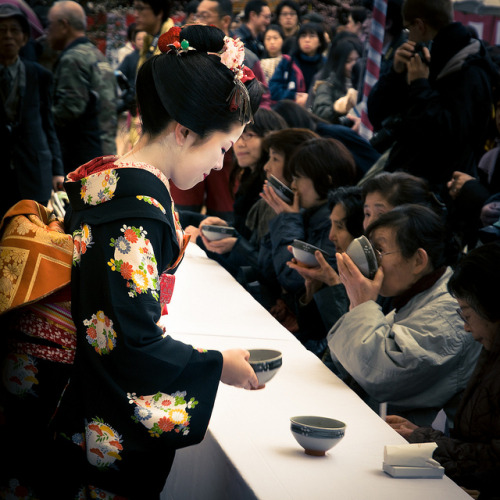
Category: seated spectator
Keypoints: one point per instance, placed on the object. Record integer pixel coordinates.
(297, 116)
(388, 190)
(288, 18)
(247, 175)
(242, 255)
(417, 358)
(273, 43)
(325, 299)
(308, 54)
(334, 82)
(318, 166)
(471, 454)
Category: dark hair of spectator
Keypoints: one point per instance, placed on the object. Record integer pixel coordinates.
(351, 198)
(287, 3)
(286, 141)
(327, 162)
(436, 13)
(417, 226)
(253, 6)
(312, 28)
(400, 188)
(475, 278)
(157, 6)
(337, 59)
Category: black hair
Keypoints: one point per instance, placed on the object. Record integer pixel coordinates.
(327, 162)
(275, 27)
(157, 6)
(131, 32)
(295, 114)
(359, 13)
(400, 188)
(351, 198)
(287, 3)
(475, 278)
(192, 87)
(338, 55)
(436, 13)
(254, 6)
(265, 120)
(224, 8)
(417, 226)
(312, 28)
(286, 141)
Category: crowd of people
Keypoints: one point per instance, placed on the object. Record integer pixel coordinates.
(269, 95)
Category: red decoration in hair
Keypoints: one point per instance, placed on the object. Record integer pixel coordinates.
(247, 74)
(171, 37)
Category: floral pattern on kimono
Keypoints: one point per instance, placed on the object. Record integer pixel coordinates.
(135, 260)
(82, 240)
(103, 444)
(100, 333)
(20, 374)
(161, 412)
(100, 187)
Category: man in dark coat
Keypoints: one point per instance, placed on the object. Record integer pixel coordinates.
(442, 96)
(31, 158)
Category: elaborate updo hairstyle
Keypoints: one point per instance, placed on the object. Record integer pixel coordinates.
(475, 278)
(351, 198)
(286, 141)
(400, 188)
(192, 87)
(417, 226)
(327, 162)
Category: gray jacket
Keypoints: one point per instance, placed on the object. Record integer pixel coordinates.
(418, 357)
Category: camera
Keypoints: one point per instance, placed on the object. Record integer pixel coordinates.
(383, 139)
(346, 121)
(419, 49)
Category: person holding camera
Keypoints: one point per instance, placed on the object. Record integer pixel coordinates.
(31, 156)
(436, 101)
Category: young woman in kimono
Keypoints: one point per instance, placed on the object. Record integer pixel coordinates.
(135, 394)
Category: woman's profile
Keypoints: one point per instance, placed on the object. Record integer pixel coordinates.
(135, 395)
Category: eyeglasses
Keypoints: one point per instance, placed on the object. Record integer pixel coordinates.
(288, 14)
(462, 317)
(204, 16)
(380, 254)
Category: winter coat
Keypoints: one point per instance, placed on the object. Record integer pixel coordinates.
(472, 453)
(415, 358)
(445, 117)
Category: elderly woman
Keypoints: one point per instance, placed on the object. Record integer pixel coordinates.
(417, 357)
(471, 455)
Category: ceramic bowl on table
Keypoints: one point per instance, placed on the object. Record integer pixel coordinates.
(283, 191)
(315, 434)
(265, 363)
(304, 253)
(213, 233)
(363, 255)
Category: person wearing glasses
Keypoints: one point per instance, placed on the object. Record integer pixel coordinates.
(471, 453)
(256, 19)
(417, 358)
(288, 17)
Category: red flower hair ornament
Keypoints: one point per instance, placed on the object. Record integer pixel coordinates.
(231, 55)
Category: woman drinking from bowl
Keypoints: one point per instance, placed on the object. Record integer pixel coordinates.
(417, 358)
(325, 299)
(318, 166)
(471, 454)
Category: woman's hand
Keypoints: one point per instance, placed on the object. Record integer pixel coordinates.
(237, 371)
(225, 245)
(358, 288)
(323, 273)
(276, 203)
(401, 425)
(458, 179)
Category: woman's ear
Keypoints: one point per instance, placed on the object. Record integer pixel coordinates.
(181, 134)
(421, 261)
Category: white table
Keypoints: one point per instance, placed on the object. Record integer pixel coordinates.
(249, 451)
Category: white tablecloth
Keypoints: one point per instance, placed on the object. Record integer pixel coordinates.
(249, 451)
